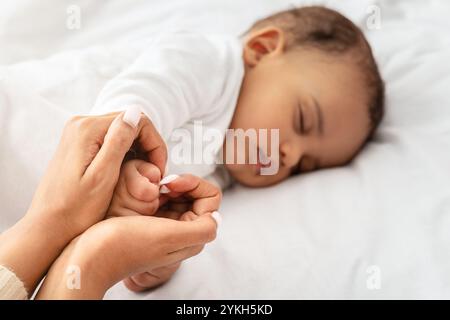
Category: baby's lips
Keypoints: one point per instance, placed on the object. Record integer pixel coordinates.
(166, 180)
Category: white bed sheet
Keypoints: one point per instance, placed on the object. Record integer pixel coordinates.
(315, 236)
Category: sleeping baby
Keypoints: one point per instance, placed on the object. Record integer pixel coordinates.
(300, 91)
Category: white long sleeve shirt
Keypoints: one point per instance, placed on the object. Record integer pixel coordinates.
(179, 79)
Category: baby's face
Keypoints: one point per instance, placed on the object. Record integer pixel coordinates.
(319, 105)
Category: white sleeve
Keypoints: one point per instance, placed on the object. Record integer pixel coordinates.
(177, 78)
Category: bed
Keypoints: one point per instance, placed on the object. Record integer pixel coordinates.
(375, 229)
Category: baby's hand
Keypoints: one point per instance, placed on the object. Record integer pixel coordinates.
(137, 191)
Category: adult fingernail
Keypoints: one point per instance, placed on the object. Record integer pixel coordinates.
(168, 179)
(216, 216)
(164, 190)
(132, 115)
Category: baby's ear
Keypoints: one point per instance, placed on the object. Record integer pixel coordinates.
(263, 42)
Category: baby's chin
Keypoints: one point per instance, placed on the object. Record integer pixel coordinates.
(247, 175)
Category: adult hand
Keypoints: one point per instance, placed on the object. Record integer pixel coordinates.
(120, 246)
(78, 185)
(187, 197)
(76, 189)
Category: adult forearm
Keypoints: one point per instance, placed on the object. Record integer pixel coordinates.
(30, 247)
(79, 272)
(72, 277)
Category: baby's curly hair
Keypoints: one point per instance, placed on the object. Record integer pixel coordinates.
(329, 31)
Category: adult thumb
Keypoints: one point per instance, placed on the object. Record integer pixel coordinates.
(118, 140)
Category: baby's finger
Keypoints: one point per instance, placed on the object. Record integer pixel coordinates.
(169, 214)
(137, 185)
(133, 207)
(148, 170)
(142, 281)
(188, 216)
(147, 280)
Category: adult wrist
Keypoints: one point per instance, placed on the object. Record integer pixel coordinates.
(78, 273)
(29, 248)
(53, 228)
(93, 254)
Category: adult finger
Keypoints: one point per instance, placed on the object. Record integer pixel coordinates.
(117, 141)
(185, 253)
(150, 142)
(196, 232)
(206, 196)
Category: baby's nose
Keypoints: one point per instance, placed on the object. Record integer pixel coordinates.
(288, 157)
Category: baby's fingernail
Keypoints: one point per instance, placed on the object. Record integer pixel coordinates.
(168, 179)
(132, 115)
(216, 216)
(164, 190)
